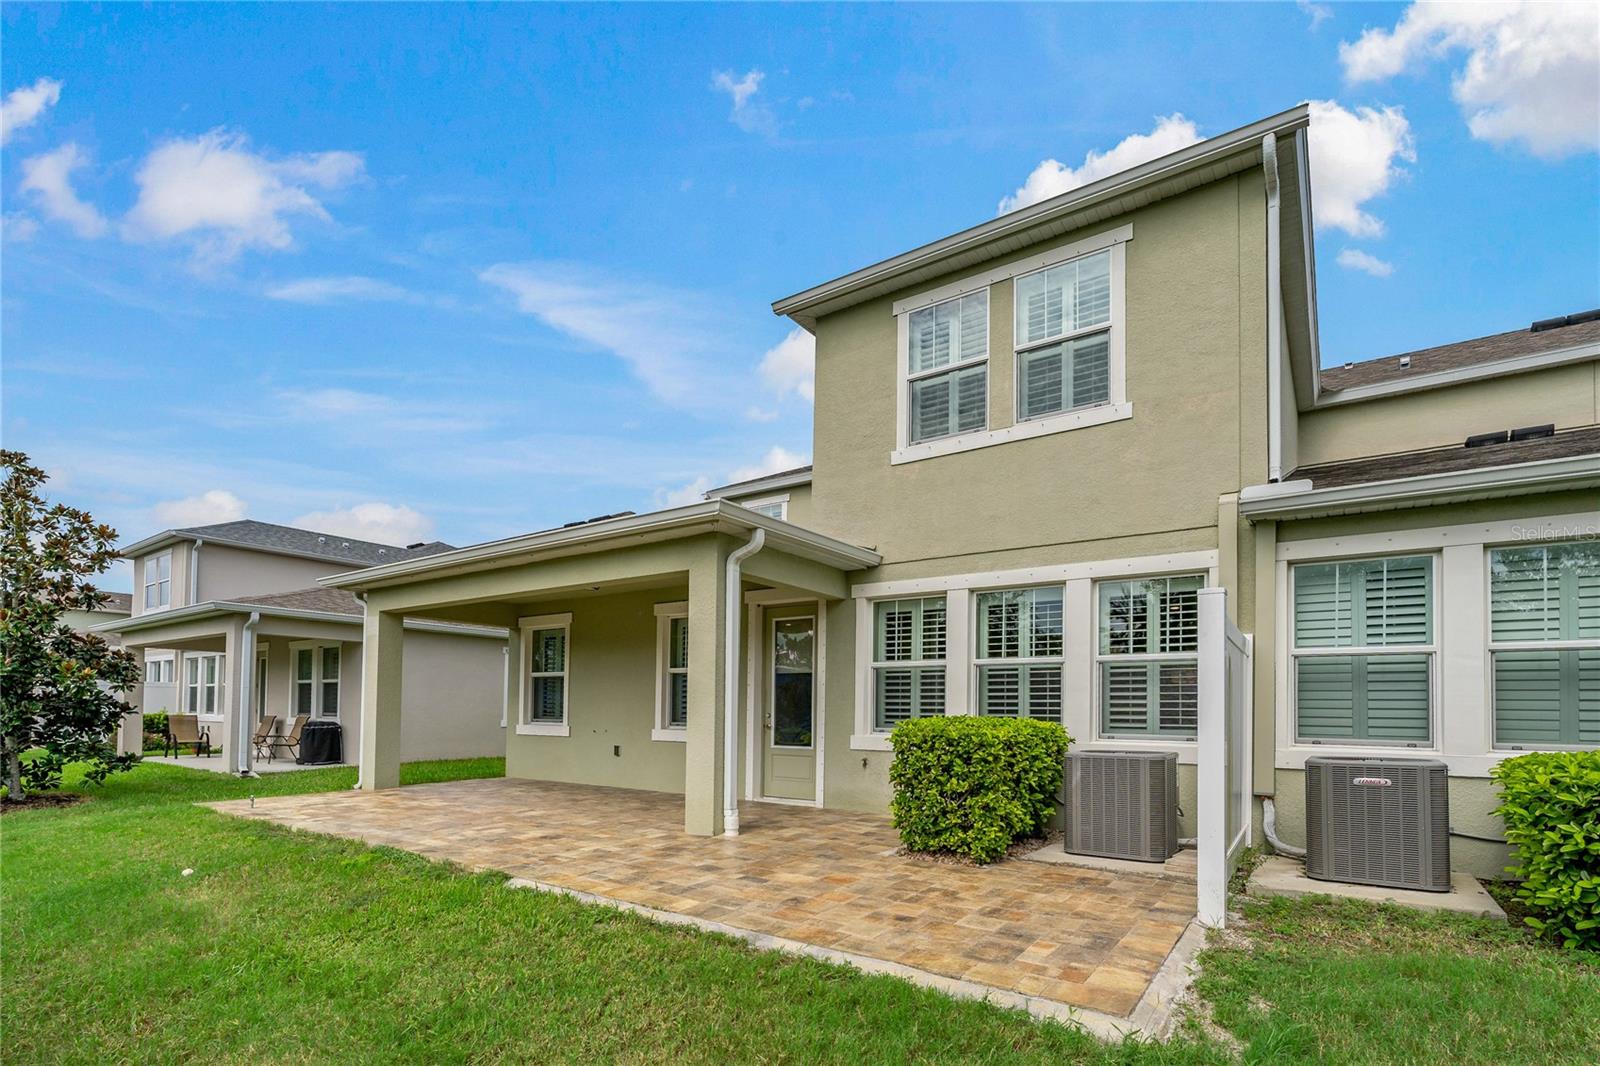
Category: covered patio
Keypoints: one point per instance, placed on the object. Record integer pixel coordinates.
(1091, 945)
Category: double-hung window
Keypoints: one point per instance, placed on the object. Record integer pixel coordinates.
(672, 666)
(158, 671)
(1544, 634)
(158, 581)
(1019, 655)
(545, 708)
(1063, 337)
(1363, 650)
(1147, 656)
(315, 690)
(947, 367)
(203, 684)
(908, 651)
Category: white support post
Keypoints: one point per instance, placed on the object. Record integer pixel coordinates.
(1212, 757)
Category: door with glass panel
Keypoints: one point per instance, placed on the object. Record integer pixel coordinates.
(788, 735)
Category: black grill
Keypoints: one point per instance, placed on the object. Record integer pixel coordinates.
(321, 742)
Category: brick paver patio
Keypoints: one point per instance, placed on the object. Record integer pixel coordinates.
(1087, 938)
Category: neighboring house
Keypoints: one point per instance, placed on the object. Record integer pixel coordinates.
(117, 605)
(232, 625)
(1035, 440)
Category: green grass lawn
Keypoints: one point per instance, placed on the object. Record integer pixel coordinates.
(288, 947)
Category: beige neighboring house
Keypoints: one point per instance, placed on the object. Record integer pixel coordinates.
(117, 605)
(232, 624)
(1036, 442)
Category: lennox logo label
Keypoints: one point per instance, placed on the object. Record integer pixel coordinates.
(1377, 782)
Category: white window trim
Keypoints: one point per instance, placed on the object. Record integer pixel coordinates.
(1116, 410)
(1078, 641)
(171, 668)
(1096, 693)
(1116, 368)
(316, 682)
(974, 674)
(220, 684)
(868, 724)
(905, 377)
(659, 729)
(146, 584)
(781, 499)
(525, 626)
(1464, 739)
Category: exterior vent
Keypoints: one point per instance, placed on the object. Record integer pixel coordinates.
(1378, 821)
(1121, 804)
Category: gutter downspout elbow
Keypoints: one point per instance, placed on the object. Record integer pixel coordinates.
(730, 683)
(1269, 827)
(247, 667)
(1269, 165)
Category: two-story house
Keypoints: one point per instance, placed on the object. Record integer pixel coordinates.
(1035, 441)
(233, 626)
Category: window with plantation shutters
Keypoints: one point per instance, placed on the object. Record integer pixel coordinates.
(947, 358)
(1063, 337)
(908, 660)
(672, 669)
(547, 674)
(1147, 656)
(1019, 652)
(1363, 651)
(1544, 634)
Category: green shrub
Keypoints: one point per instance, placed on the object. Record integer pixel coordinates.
(1551, 805)
(971, 785)
(156, 723)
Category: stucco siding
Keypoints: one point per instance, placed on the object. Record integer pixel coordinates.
(229, 572)
(1568, 396)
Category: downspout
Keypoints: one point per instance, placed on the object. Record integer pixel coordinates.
(362, 596)
(1269, 164)
(730, 684)
(1269, 826)
(194, 570)
(243, 730)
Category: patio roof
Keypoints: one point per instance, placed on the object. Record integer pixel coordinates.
(697, 519)
(317, 604)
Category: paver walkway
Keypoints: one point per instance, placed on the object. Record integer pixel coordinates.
(1087, 938)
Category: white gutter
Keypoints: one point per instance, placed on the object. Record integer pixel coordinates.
(730, 683)
(194, 569)
(1269, 164)
(242, 729)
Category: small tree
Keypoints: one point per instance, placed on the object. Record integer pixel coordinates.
(60, 690)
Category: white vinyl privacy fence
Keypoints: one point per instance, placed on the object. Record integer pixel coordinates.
(1223, 810)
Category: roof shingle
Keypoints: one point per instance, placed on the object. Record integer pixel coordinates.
(1473, 352)
(272, 537)
(1455, 459)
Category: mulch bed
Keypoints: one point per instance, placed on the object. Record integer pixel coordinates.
(948, 858)
(42, 801)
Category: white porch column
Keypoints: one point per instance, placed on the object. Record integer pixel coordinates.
(703, 755)
(382, 659)
(233, 684)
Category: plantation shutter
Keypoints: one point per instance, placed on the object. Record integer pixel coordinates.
(908, 631)
(677, 672)
(1546, 697)
(1375, 603)
(1020, 624)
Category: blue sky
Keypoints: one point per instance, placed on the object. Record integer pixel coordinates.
(464, 272)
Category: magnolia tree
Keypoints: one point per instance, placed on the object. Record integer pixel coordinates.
(61, 691)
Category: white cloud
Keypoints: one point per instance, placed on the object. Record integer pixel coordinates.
(23, 106)
(747, 113)
(1356, 259)
(776, 460)
(1052, 178)
(385, 523)
(48, 179)
(215, 505)
(684, 495)
(1353, 156)
(1531, 74)
(757, 413)
(377, 412)
(661, 334)
(225, 198)
(1317, 13)
(339, 289)
(790, 365)
(18, 226)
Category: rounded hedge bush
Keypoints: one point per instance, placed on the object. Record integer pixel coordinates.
(1550, 802)
(971, 785)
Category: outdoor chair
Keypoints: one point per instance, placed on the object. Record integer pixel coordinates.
(262, 735)
(290, 741)
(184, 730)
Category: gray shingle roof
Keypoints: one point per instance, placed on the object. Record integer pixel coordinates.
(1473, 352)
(272, 537)
(1566, 444)
(121, 602)
(334, 601)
